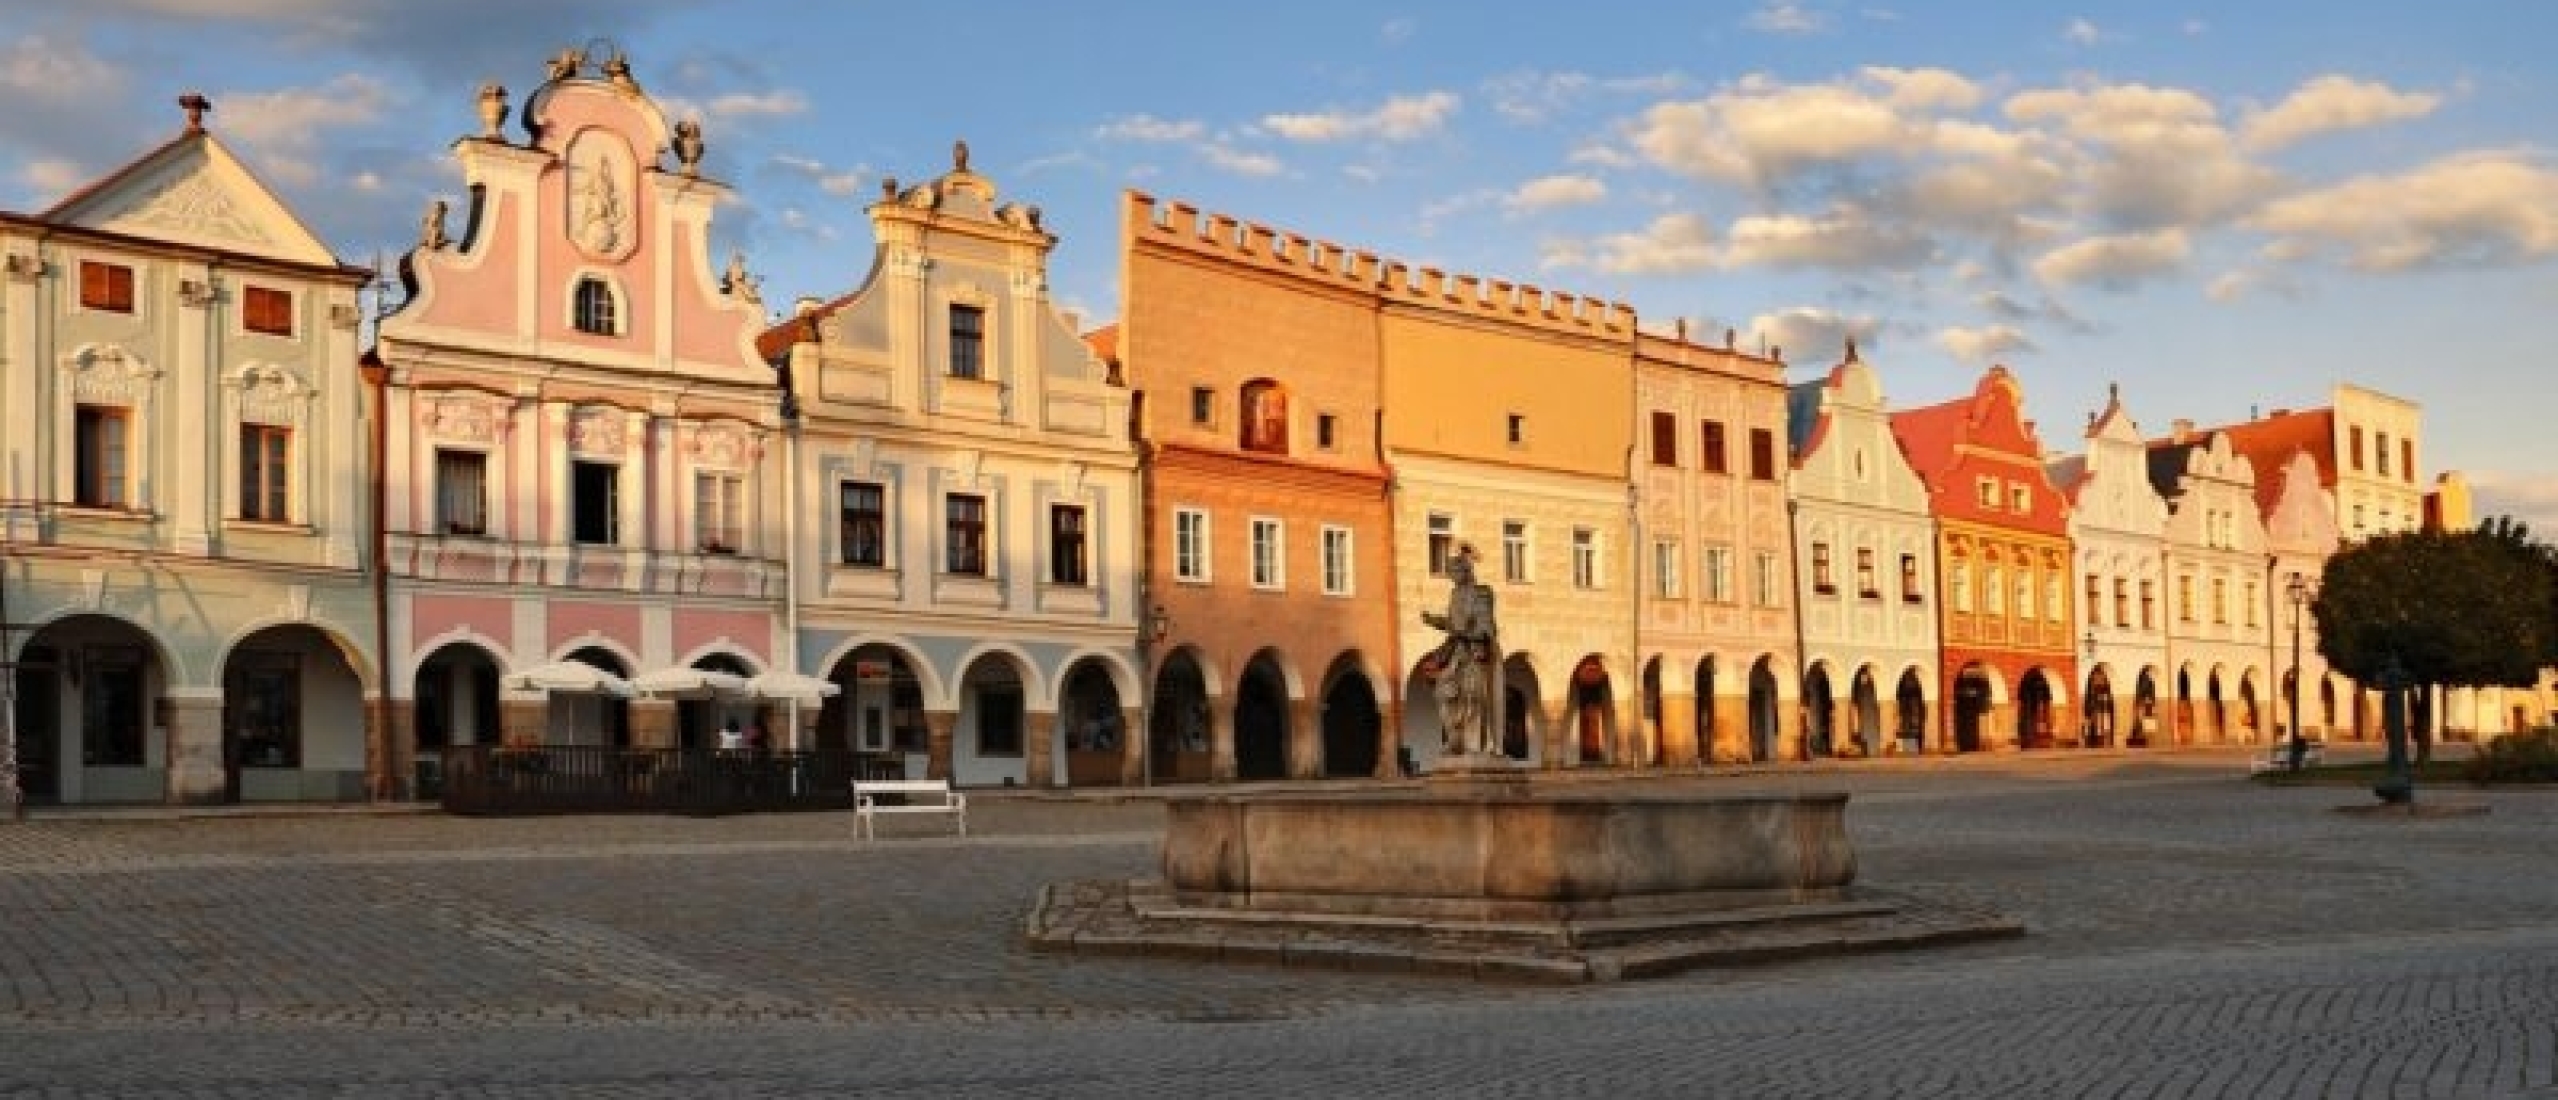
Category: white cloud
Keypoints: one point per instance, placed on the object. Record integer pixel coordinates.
(55, 72)
(1842, 238)
(2154, 157)
(1672, 244)
(1226, 158)
(1786, 18)
(1604, 156)
(2529, 497)
(1398, 31)
(2490, 207)
(1810, 334)
(1548, 192)
(833, 181)
(285, 130)
(2117, 262)
(776, 103)
(2330, 103)
(1399, 118)
(51, 179)
(1144, 127)
(1982, 345)
(2080, 32)
(1763, 131)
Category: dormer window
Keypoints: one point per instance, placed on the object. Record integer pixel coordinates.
(594, 309)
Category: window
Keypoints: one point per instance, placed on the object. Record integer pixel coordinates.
(1190, 544)
(267, 310)
(595, 504)
(1763, 578)
(2054, 607)
(1443, 542)
(2184, 599)
(1203, 406)
(1327, 431)
(967, 342)
(2020, 497)
(2149, 605)
(1067, 559)
(861, 520)
(2122, 602)
(1665, 439)
(1269, 553)
(99, 435)
(106, 287)
(2358, 520)
(594, 309)
(263, 693)
(1665, 569)
(2354, 437)
(1987, 490)
(1718, 574)
(1336, 561)
(1514, 551)
(2220, 601)
(2380, 452)
(1712, 456)
(718, 504)
(999, 720)
(1762, 454)
(263, 450)
(1518, 429)
(964, 528)
(1994, 591)
(1958, 584)
(461, 492)
(2407, 460)
(2095, 597)
(1585, 558)
(1265, 418)
(1910, 592)
(1821, 579)
(1866, 585)
(2250, 606)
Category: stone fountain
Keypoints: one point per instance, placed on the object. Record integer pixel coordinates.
(1478, 870)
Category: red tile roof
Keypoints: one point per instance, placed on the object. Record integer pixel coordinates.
(2269, 442)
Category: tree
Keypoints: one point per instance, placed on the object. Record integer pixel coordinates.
(2438, 609)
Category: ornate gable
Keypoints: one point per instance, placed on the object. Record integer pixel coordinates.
(193, 191)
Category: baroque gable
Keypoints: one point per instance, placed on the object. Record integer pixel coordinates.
(193, 191)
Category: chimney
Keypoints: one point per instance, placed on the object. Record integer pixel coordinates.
(2183, 431)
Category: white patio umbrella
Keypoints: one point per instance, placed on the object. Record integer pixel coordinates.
(794, 687)
(689, 683)
(570, 678)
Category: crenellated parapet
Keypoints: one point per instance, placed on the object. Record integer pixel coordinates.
(1227, 239)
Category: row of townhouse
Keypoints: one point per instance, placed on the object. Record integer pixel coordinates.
(584, 488)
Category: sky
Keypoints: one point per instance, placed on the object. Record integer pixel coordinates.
(2223, 208)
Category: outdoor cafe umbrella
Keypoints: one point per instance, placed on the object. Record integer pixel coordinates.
(570, 678)
(794, 687)
(689, 683)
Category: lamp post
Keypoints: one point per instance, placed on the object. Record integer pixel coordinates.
(1150, 639)
(2397, 786)
(2298, 589)
(2088, 729)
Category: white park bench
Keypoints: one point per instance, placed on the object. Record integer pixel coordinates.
(919, 796)
(2277, 756)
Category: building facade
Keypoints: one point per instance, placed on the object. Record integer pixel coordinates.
(1865, 570)
(582, 471)
(2117, 526)
(2300, 535)
(183, 585)
(1507, 429)
(2218, 634)
(2367, 445)
(1272, 611)
(2009, 631)
(975, 597)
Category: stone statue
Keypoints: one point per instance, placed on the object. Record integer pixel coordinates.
(567, 62)
(430, 229)
(493, 110)
(1464, 662)
(688, 146)
(738, 282)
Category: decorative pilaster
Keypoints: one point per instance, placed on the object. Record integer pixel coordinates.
(939, 728)
(1039, 749)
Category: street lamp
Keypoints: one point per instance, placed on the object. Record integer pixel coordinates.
(2089, 729)
(2298, 588)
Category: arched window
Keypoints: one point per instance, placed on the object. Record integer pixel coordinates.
(594, 310)
(1265, 417)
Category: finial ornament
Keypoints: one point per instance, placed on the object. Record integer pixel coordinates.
(493, 110)
(567, 62)
(959, 156)
(617, 69)
(688, 146)
(1851, 349)
(195, 105)
(430, 229)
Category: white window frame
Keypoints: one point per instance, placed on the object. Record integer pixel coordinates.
(723, 516)
(1665, 569)
(1340, 565)
(1718, 574)
(1585, 559)
(1269, 546)
(1441, 543)
(1190, 531)
(1763, 579)
(1516, 553)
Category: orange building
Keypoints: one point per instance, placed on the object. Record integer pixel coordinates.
(1272, 611)
(2004, 554)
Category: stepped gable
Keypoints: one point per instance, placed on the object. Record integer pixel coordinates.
(1227, 239)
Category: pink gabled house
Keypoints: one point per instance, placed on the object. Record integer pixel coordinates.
(582, 468)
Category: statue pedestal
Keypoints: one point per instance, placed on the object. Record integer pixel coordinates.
(1479, 770)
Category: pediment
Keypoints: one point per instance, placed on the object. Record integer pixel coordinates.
(193, 191)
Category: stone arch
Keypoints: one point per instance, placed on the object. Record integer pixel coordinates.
(928, 678)
(1262, 715)
(1523, 719)
(1765, 692)
(995, 688)
(1820, 708)
(1352, 726)
(1181, 699)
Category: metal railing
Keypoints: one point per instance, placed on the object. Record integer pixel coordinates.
(581, 779)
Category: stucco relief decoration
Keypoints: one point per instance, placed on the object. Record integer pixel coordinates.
(108, 375)
(596, 431)
(461, 419)
(599, 204)
(725, 445)
(193, 204)
(271, 394)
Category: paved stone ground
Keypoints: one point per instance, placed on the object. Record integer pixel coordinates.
(2193, 935)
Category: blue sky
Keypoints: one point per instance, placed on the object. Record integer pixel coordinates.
(2221, 207)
